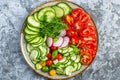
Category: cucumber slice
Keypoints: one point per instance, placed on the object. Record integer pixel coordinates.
(67, 9)
(28, 31)
(34, 54)
(73, 57)
(65, 51)
(38, 66)
(63, 60)
(49, 16)
(43, 51)
(70, 49)
(33, 28)
(43, 58)
(66, 54)
(31, 21)
(60, 71)
(36, 16)
(58, 11)
(35, 40)
(69, 70)
(75, 67)
(29, 47)
(69, 62)
(30, 37)
(42, 12)
(35, 61)
(77, 59)
(79, 66)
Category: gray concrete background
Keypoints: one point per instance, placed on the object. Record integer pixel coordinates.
(106, 65)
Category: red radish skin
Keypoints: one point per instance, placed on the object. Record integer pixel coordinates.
(62, 32)
(49, 41)
(65, 42)
(59, 42)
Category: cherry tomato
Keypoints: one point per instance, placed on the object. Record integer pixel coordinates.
(53, 48)
(70, 19)
(86, 58)
(74, 40)
(59, 56)
(49, 55)
(49, 62)
(76, 12)
(71, 32)
(87, 31)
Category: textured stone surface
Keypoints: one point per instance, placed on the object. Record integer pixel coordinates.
(106, 65)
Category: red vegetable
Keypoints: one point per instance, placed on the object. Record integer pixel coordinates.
(59, 56)
(49, 55)
(49, 62)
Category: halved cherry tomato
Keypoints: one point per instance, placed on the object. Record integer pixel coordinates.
(86, 58)
(68, 19)
(71, 32)
(49, 55)
(49, 62)
(76, 12)
(53, 48)
(59, 56)
(87, 31)
(74, 40)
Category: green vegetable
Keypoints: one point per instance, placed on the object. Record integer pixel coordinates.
(45, 69)
(53, 28)
(38, 66)
(75, 49)
(52, 67)
(54, 54)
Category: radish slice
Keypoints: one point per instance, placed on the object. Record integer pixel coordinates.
(62, 32)
(59, 42)
(49, 41)
(66, 42)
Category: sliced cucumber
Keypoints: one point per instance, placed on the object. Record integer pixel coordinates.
(43, 51)
(58, 11)
(29, 47)
(38, 66)
(35, 40)
(73, 57)
(30, 37)
(66, 54)
(60, 71)
(33, 28)
(43, 58)
(36, 16)
(28, 31)
(35, 61)
(42, 12)
(63, 60)
(67, 9)
(49, 16)
(77, 59)
(31, 21)
(69, 70)
(34, 54)
(79, 66)
(75, 67)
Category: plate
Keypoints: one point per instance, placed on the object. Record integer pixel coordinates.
(23, 42)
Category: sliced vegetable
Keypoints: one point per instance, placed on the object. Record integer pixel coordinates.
(59, 42)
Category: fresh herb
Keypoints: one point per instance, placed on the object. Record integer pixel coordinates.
(53, 28)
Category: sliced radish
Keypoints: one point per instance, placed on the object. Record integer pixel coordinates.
(65, 42)
(62, 32)
(49, 41)
(59, 42)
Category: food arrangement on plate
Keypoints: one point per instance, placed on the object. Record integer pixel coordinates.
(60, 39)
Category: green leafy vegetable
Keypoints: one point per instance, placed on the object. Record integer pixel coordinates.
(54, 54)
(52, 29)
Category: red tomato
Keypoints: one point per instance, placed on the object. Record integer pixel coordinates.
(59, 56)
(86, 58)
(49, 62)
(87, 31)
(74, 40)
(71, 32)
(70, 19)
(49, 55)
(53, 48)
(76, 12)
